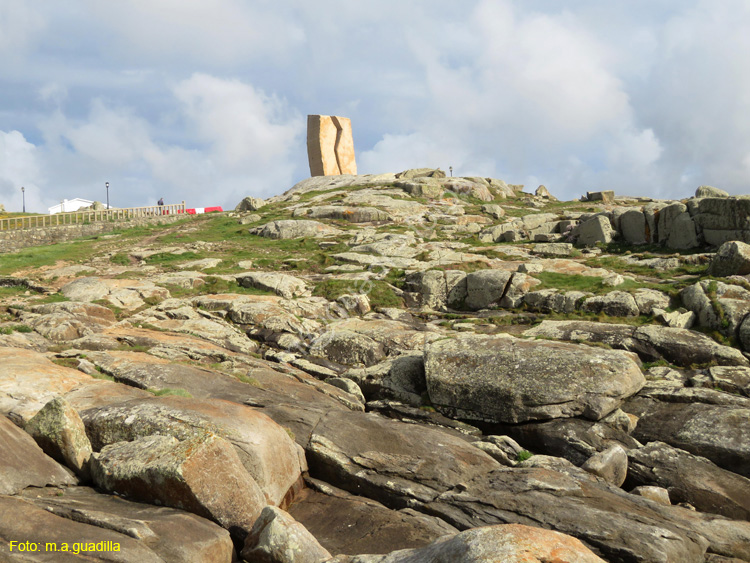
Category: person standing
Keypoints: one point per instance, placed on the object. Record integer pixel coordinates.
(160, 203)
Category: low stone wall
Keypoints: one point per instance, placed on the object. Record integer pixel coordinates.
(11, 241)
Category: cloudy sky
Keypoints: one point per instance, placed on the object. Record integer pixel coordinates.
(206, 100)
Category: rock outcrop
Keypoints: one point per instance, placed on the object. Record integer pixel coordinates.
(396, 367)
(515, 380)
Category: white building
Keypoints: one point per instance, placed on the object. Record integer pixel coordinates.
(70, 205)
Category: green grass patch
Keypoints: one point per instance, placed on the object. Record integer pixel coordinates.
(170, 391)
(38, 256)
(12, 291)
(66, 362)
(523, 455)
(578, 282)
(378, 292)
(121, 258)
(15, 328)
(168, 258)
(249, 380)
(616, 264)
(51, 298)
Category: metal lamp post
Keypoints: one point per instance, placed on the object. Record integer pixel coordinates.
(23, 196)
(106, 185)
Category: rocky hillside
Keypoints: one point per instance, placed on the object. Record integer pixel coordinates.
(393, 368)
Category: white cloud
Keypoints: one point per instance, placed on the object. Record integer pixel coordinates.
(234, 141)
(528, 92)
(19, 167)
(20, 25)
(195, 99)
(697, 97)
(219, 32)
(237, 121)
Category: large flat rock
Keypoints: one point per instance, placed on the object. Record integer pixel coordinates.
(393, 462)
(615, 525)
(351, 524)
(258, 385)
(201, 474)
(505, 379)
(28, 380)
(24, 464)
(692, 479)
(678, 346)
(125, 294)
(716, 432)
(438, 473)
(79, 515)
(264, 448)
(511, 543)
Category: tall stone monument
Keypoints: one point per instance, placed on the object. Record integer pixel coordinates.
(330, 147)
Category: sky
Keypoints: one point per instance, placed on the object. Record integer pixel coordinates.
(206, 100)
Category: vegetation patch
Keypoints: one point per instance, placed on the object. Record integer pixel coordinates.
(121, 258)
(168, 258)
(379, 292)
(37, 256)
(523, 455)
(15, 328)
(214, 285)
(170, 391)
(616, 264)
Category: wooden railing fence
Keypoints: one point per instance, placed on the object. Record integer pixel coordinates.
(89, 216)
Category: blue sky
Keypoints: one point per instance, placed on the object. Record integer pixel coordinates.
(206, 101)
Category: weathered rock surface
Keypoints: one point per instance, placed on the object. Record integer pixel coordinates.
(732, 258)
(614, 304)
(710, 191)
(289, 229)
(259, 385)
(352, 451)
(277, 538)
(511, 543)
(68, 320)
(691, 479)
(679, 346)
(23, 464)
(514, 380)
(281, 284)
(250, 204)
(713, 431)
(440, 289)
(202, 475)
(264, 448)
(59, 431)
(348, 347)
(398, 464)
(345, 523)
(344, 213)
(79, 515)
(28, 381)
(574, 439)
(611, 465)
(125, 294)
(485, 288)
(596, 229)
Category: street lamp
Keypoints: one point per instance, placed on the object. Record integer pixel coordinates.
(23, 196)
(451, 169)
(106, 185)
